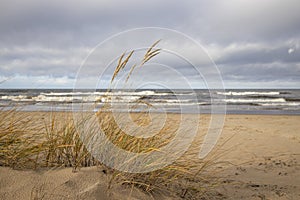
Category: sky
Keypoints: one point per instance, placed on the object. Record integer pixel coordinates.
(254, 43)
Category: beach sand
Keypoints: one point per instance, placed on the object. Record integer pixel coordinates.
(261, 156)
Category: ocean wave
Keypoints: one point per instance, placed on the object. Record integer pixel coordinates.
(16, 98)
(70, 93)
(280, 100)
(231, 93)
(111, 93)
(280, 104)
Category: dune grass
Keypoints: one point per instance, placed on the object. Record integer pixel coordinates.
(32, 142)
(53, 140)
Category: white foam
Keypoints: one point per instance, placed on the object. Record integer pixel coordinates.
(140, 93)
(280, 104)
(16, 98)
(230, 93)
(73, 93)
(281, 100)
(113, 93)
(44, 98)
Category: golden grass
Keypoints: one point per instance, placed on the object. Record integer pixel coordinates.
(17, 138)
(54, 141)
(29, 142)
(184, 178)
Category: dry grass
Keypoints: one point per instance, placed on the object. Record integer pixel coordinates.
(17, 139)
(30, 142)
(185, 178)
(54, 141)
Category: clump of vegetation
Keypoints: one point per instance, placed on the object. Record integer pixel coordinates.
(32, 141)
(53, 140)
(17, 136)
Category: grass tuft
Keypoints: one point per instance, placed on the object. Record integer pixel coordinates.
(29, 140)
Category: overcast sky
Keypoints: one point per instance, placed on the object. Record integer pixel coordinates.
(254, 43)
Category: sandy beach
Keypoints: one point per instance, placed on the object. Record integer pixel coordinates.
(149, 100)
(259, 159)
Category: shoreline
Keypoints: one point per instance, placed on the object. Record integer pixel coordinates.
(176, 113)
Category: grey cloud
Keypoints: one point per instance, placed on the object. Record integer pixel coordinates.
(261, 72)
(232, 21)
(220, 21)
(259, 53)
(37, 61)
(66, 23)
(248, 40)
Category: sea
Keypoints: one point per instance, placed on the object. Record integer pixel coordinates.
(230, 101)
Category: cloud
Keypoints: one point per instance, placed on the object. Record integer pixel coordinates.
(252, 42)
(246, 53)
(37, 60)
(37, 82)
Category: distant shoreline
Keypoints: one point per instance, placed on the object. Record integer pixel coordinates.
(172, 113)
